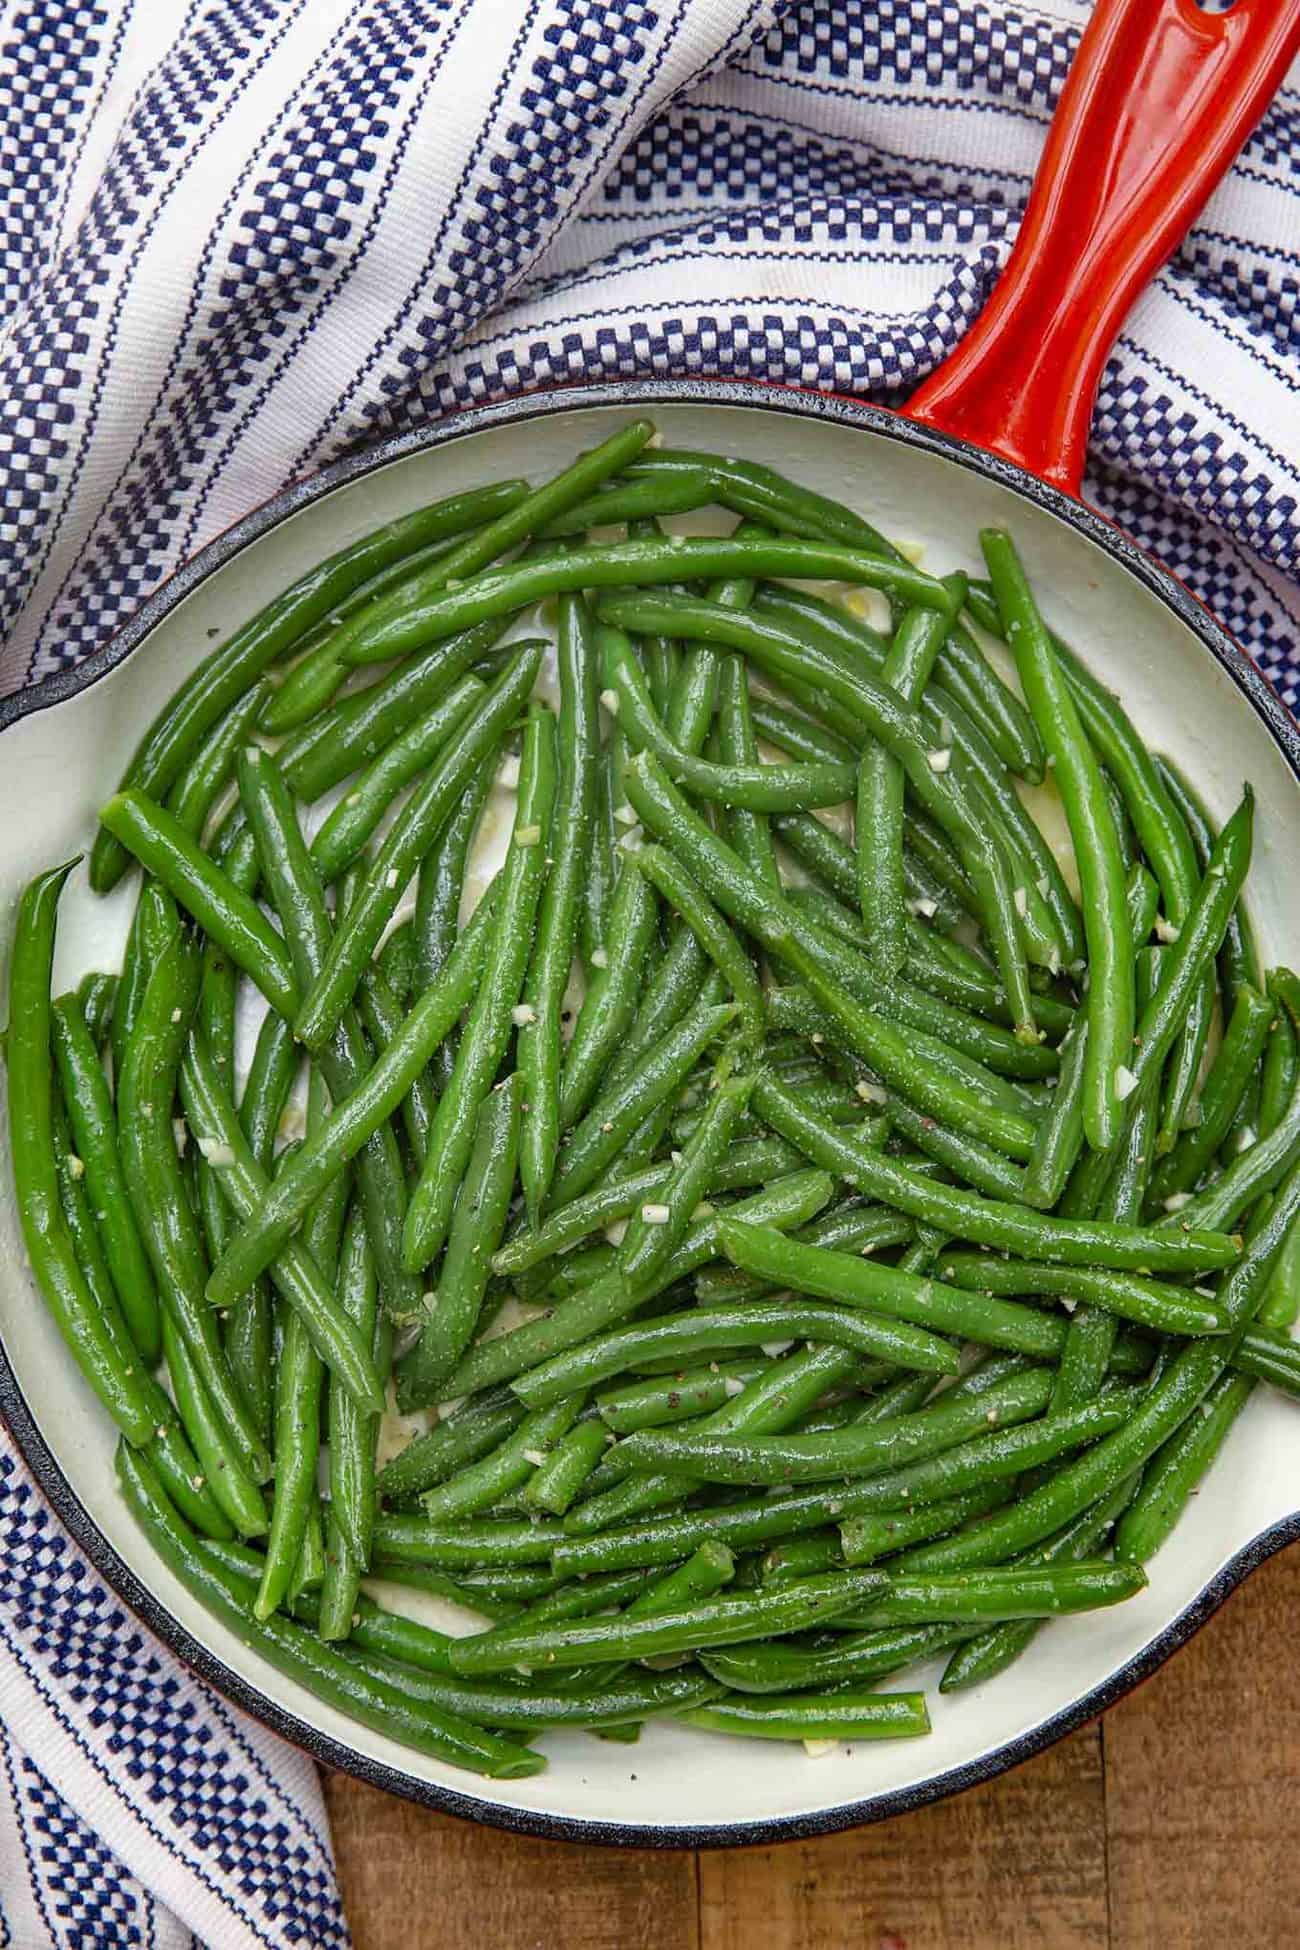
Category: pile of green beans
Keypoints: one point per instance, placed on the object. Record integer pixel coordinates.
(802, 1237)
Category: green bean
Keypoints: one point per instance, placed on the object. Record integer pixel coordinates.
(1164, 1408)
(880, 1534)
(786, 933)
(249, 1336)
(298, 1381)
(343, 837)
(762, 494)
(308, 690)
(904, 733)
(750, 1325)
(331, 1334)
(986, 1221)
(181, 726)
(1030, 1591)
(556, 1482)
(1234, 1065)
(726, 953)
(812, 1716)
(680, 1397)
(476, 1225)
(849, 1228)
(408, 840)
(1280, 1067)
(726, 1619)
(426, 613)
(227, 915)
(465, 1546)
(352, 1436)
(1237, 954)
(749, 832)
(754, 787)
(610, 1001)
(1187, 958)
(96, 996)
(235, 1492)
(1059, 1138)
(634, 501)
(106, 1365)
(152, 926)
(764, 1520)
(1151, 1303)
(617, 1112)
(492, 1478)
(94, 1127)
(381, 1013)
(850, 1656)
(608, 1300)
(355, 729)
(1177, 1467)
(856, 1282)
(963, 674)
(881, 891)
(196, 790)
(861, 1449)
(298, 1653)
(1092, 831)
(460, 1438)
(437, 906)
(795, 628)
(489, 1026)
(152, 1173)
(751, 1162)
(539, 1045)
(345, 1060)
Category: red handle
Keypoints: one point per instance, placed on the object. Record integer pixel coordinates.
(1159, 99)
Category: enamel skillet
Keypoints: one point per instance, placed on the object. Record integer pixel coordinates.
(1159, 99)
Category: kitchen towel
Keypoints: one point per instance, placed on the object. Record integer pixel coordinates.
(238, 238)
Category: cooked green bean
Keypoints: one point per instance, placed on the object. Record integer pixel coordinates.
(857, 1282)
(331, 1334)
(408, 840)
(118, 1382)
(94, 1127)
(858, 1450)
(482, 1202)
(490, 1023)
(352, 1433)
(1151, 1303)
(539, 1044)
(423, 614)
(1092, 832)
(882, 892)
(491, 1479)
(610, 1001)
(726, 1619)
(988, 1222)
(556, 1482)
(755, 787)
(302, 1656)
(183, 722)
(153, 1176)
(353, 1121)
(439, 892)
(813, 1716)
(343, 837)
(1234, 1065)
(992, 1651)
(710, 930)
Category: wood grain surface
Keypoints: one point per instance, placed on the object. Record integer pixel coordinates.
(1168, 1826)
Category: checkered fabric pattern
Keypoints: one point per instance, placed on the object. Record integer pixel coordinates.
(239, 237)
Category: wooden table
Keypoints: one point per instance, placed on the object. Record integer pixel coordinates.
(1168, 1826)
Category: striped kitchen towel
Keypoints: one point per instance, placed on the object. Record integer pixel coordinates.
(237, 238)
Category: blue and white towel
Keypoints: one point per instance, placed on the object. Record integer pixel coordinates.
(238, 237)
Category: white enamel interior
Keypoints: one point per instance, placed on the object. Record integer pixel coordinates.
(58, 765)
